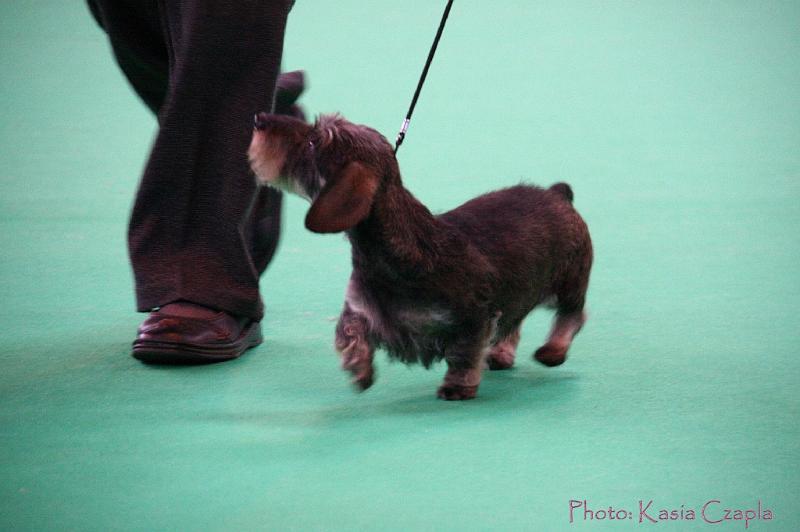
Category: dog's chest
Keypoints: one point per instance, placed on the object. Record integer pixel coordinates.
(409, 329)
(424, 321)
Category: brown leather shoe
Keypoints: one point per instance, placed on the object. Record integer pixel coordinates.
(184, 333)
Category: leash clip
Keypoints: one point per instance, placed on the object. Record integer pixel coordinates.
(402, 134)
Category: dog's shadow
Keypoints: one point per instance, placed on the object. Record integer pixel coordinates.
(502, 393)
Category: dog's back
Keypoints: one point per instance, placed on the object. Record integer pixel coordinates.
(536, 241)
(540, 222)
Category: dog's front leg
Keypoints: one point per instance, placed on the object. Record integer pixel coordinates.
(352, 342)
(461, 380)
(465, 360)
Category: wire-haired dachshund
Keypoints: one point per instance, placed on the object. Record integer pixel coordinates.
(454, 286)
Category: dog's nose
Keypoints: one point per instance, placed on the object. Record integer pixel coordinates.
(260, 121)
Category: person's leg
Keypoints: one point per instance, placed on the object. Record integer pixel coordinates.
(203, 67)
(184, 332)
(187, 233)
(137, 38)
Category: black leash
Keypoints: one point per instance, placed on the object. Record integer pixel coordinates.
(402, 135)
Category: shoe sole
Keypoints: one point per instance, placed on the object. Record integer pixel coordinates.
(188, 354)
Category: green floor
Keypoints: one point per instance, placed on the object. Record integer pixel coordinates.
(678, 126)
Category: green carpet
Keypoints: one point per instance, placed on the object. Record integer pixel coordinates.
(676, 123)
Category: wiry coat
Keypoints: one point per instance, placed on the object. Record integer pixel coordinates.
(455, 286)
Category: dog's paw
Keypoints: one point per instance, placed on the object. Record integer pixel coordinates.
(500, 359)
(551, 355)
(364, 379)
(455, 392)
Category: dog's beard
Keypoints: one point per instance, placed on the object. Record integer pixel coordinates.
(273, 166)
(266, 159)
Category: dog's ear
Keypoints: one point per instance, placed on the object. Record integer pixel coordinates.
(344, 201)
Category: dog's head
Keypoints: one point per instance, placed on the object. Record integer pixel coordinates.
(335, 164)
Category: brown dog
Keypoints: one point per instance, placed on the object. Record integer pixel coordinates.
(455, 286)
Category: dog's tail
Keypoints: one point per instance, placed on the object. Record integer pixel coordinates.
(563, 189)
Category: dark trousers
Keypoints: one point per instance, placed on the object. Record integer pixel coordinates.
(200, 231)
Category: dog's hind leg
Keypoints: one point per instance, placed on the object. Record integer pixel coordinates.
(502, 353)
(565, 326)
(570, 317)
(354, 346)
